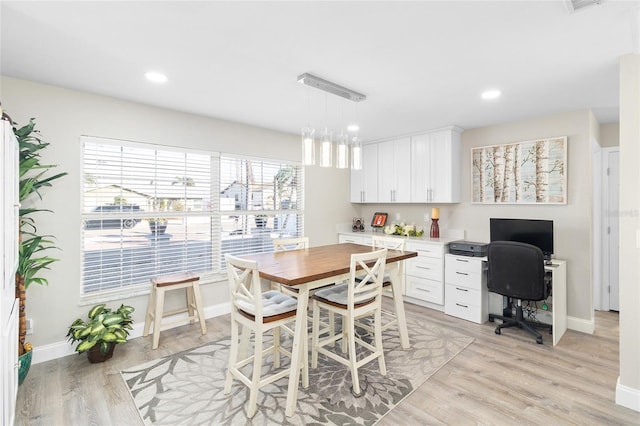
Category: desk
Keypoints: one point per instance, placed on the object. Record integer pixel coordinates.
(558, 299)
(316, 267)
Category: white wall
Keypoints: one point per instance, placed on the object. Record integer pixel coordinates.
(63, 115)
(628, 390)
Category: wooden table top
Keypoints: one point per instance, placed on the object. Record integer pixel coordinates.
(295, 267)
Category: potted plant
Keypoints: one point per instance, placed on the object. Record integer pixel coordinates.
(33, 248)
(101, 332)
(157, 225)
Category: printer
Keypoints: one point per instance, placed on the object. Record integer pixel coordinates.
(468, 248)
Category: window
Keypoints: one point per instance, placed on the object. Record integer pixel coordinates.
(149, 210)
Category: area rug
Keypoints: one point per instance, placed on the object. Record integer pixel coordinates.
(187, 388)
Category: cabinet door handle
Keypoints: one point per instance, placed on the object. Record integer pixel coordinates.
(462, 289)
(423, 289)
(462, 260)
(462, 306)
(423, 267)
(461, 273)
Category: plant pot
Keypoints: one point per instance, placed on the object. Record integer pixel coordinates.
(96, 356)
(24, 364)
(157, 227)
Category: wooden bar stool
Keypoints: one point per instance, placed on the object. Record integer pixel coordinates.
(155, 309)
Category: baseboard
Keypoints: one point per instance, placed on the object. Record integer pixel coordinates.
(64, 348)
(627, 397)
(581, 325)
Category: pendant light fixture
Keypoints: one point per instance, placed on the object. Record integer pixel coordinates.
(342, 144)
(348, 149)
(326, 142)
(308, 138)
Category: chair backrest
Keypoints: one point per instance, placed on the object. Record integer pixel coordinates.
(284, 244)
(369, 269)
(516, 270)
(244, 285)
(391, 243)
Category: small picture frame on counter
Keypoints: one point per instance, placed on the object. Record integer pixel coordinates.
(379, 220)
(358, 224)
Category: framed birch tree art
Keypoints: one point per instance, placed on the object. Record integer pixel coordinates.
(532, 172)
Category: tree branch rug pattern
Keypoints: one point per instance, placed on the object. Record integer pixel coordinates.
(187, 388)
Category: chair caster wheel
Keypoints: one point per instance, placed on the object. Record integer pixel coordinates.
(539, 340)
(498, 331)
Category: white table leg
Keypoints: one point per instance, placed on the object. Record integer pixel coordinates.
(299, 337)
(395, 270)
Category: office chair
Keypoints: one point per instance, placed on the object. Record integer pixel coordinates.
(516, 270)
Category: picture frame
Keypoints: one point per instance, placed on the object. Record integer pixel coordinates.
(379, 220)
(529, 172)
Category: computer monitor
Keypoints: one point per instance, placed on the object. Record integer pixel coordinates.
(531, 231)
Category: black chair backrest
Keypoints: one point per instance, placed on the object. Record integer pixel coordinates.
(516, 270)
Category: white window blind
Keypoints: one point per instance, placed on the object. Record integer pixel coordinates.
(259, 200)
(151, 210)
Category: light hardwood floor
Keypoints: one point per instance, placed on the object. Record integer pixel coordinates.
(497, 380)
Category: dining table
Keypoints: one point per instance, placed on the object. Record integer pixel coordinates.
(311, 268)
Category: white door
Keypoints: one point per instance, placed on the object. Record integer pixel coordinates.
(613, 208)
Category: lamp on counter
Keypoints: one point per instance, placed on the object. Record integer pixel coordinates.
(435, 229)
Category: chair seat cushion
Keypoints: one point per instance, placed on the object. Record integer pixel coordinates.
(273, 303)
(337, 295)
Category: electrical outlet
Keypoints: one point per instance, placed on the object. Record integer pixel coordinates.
(426, 217)
(29, 325)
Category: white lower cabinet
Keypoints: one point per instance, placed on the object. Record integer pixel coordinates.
(466, 294)
(424, 273)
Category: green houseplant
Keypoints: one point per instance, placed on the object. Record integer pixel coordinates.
(33, 248)
(102, 331)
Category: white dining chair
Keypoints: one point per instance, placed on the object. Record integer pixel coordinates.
(258, 312)
(299, 243)
(390, 318)
(354, 299)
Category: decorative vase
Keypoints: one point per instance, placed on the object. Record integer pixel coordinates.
(435, 229)
(24, 364)
(96, 356)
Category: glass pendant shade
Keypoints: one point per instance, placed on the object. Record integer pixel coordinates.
(342, 152)
(356, 154)
(308, 146)
(326, 149)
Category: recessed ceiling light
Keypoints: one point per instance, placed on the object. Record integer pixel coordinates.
(353, 127)
(155, 77)
(490, 94)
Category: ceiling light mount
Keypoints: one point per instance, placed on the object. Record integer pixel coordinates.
(327, 86)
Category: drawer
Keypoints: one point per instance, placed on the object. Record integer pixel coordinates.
(462, 263)
(466, 312)
(424, 267)
(427, 250)
(462, 295)
(424, 289)
(462, 278)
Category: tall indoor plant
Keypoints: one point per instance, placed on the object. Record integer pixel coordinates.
(33, 249)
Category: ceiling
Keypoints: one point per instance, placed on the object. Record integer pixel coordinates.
(422, 65)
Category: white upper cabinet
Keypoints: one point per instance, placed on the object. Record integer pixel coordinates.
(435, 166)
(394, 171)
(418, 169)
(364, 183)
